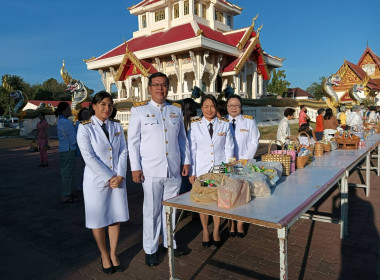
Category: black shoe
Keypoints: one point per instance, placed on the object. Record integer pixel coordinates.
(151, 259)
(232, 234)
(240, 234)
(117, 268)
(108, 270)
(206, 244)
(218, 244)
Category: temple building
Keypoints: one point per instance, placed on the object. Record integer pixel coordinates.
(193, 42)
(360, 81)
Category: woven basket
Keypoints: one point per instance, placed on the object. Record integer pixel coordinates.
(309, 147)
(284, 159)
(327, 147)
(302, 161)
(318, 149)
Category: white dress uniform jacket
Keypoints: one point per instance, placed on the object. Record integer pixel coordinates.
(246, 136)
(157, 139)
(104, 159)
(206, 151)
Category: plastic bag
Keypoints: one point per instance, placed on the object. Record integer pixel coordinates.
(233, 193)
(257, 183)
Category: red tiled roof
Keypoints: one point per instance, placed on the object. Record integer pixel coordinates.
(231, 39)
(175, 34)
(372, 84)
(55, 103)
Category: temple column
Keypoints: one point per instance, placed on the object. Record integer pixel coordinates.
(237, 83)
(144, 88)
(254, 85)
(244, 77)
(128, 87)
(260, 84)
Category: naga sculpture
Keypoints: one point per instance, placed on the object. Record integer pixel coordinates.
(354, 92)
(20, 99)
(77, 89)
(332, 98)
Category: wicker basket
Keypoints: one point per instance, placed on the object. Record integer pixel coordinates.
(348, 143)
(284, 159)
(302, 161)
(309, 147)
(319, 149)
(327, 147)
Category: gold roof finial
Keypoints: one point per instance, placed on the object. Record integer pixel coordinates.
(6, 85)
(258, 30)
(65, 75)
(254, 19)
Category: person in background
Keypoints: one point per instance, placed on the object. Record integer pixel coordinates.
(342, 118)
(319, 124)
(67, 151)
(159, 154)
(221, 109)
(83, 115)
(42, 136)
(330, 123)
(354, 119)
(372, 117)
(303, 117)
(283, 130)
(362, 111)
(246, 141)
(211, 143)
(189, 111)
(104, 150)
(304, 140)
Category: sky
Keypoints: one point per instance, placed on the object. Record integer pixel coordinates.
(314, 37)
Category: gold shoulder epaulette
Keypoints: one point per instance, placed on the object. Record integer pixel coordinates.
(177, 105)
(114, 120)
(85, 122)
(248, 117)
(196, 120)
(137, 104)
(224, 119)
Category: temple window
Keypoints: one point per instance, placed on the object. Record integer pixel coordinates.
(204, 11)
(186, 7)
(159, 15)
(196, 8)
(218, 16)
(143, 21)
(229, 20)
(176, 10)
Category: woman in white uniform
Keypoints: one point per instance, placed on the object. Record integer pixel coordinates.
(104, 150)
(246, 140)
(211, 143)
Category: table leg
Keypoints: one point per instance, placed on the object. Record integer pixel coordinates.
(344, 205)
(378, 160)
(169, 228)
(282, 234)
(368, 174)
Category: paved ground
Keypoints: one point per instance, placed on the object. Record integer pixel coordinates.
(41, 238)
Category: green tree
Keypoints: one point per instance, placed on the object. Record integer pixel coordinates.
(316, 88)
(278, 84)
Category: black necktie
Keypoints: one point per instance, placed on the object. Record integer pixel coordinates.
(234, 124)
(104, 127)
(210, 129)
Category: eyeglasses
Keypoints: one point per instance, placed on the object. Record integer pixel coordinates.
(233, 106)
(159, 85)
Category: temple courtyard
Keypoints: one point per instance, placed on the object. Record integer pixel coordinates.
(41, 238)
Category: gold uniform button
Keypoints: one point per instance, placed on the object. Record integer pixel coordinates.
(166, 130)
(111, 166)
(212, 145)
(110, 149)
(166, 142)
(212, 153)
(110, 157)
(166, 153)
(163, 119)
(212, 161)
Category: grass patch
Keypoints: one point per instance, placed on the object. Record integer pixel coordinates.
(270, 132)
(9, 132)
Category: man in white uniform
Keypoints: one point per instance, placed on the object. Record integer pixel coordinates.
(158, 147)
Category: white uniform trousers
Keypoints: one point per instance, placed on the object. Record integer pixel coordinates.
(157, 189)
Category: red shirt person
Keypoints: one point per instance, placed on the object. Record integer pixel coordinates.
(303, 117)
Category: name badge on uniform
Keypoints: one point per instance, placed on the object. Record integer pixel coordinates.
(173, 115)
(244, 130)
(222, 134)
